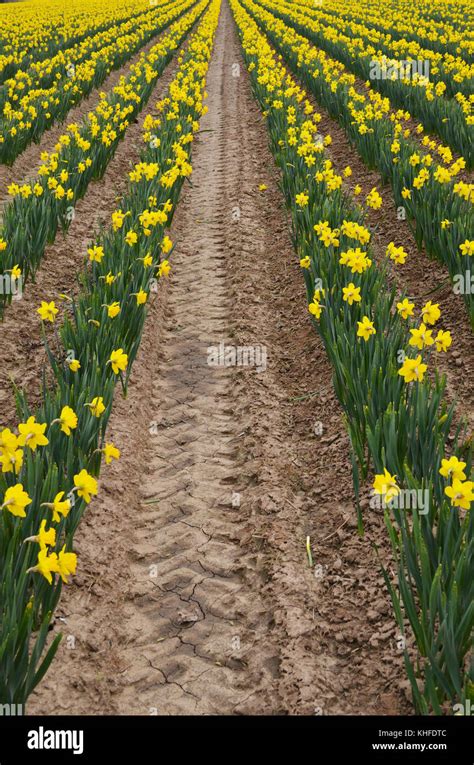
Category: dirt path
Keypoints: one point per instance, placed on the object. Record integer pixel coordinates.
(194, 593)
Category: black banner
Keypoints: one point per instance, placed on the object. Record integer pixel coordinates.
(373, 739)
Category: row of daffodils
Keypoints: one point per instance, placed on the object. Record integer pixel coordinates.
(439, 28)
(381, 348)
(413, 77)
(36, 32)
(51, 461)
(41, 206)
(424, 176)
(32, 101)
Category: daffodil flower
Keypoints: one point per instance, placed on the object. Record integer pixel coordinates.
(302, 199)
(96, 253)
(131, 238)
(46, 565)
(58, 506)
(15, 500)
(119, 360)
(164, 268)
(430, 312)
(47, 311)
(443, 340)
(351, 294)
(405, 308)
(460, 493)
(66, 564)
(141, 296)
(315, 309)
(365, 328)
(166, 245)
(67, 420)
(421, 337)
(110, 453)
(96, 406)
(85, 485)
(74, 365)
(413, 370)
(32, 434)
(44, 538)
(385, 484)
(113, 309)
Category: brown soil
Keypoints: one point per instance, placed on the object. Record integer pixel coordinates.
(194, 593)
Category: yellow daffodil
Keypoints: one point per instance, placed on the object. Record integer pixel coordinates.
(351, 294)
(118, 218)
(66, 564)
(113, 310)
(302, 199)
(373, 199)
(119, 360)
(96, 253)
(397, 254)
(385, 484)
(44, 538)
(443, 340)
(74, 365)
(460, 493)
(315, 309)
(85, 485)
(31, 434)
(141, 296)
(421, 337)
(15, 500)
(111, 453)
(59, 506)
(365, 328)
(164, 268)
(67, 420)
(405, 308)
(453, 469)
(96, 406)
(413, 370)
(131, 238)
(430, 312)
(47, 311)
(467, 247)
(47, 565)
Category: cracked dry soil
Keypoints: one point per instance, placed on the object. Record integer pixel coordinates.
(188, 601)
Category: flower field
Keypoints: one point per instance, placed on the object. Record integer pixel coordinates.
(237, 311)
